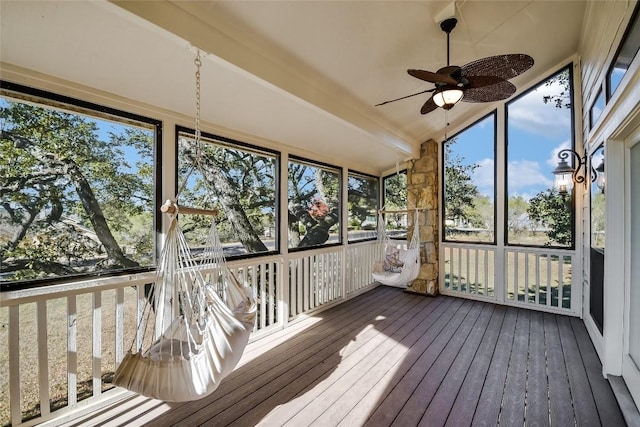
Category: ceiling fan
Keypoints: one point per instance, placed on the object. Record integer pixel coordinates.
(483, 80)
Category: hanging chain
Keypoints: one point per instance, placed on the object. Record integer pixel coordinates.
(198, 63)
(196, 160)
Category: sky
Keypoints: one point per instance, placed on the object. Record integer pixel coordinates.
(536, 133)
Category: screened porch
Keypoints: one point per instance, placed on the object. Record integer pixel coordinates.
(321, 150)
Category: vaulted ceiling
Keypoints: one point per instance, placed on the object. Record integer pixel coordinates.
(301, 73)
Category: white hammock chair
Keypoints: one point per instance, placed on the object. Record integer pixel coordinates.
(192, 331)
(397, 267)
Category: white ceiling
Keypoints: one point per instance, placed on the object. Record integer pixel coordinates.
(302, 73)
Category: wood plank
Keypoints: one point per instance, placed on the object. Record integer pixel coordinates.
(466, 402)
(537, 404)
(585, 406)
(341, 316)
(375, 386)
(313, 344)
(445, 397)
(415, 406)
(488, 412)
(512, 411)
(325, 400)
(561, 408)
(389, 356)
(394, 401)
(606, 403)
(297, 377)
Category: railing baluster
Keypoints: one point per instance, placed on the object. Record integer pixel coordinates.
(459, 263)
(14, 364)
(537, 296)
(549, 286)
(119, 322)
(526, 277)
(43, 358)
(560, 279)
(264, 295)
(72, 350)
(97, 343)
(272, 293)
(475, 275)
(140, 304)
(300, 285)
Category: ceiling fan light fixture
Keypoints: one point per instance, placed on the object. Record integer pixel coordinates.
(447, 97)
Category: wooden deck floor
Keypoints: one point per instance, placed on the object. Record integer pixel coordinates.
(392, 358)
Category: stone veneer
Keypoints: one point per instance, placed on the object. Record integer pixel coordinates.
(422, 192)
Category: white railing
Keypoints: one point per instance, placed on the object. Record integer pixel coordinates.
(537, 278)
(469, 269)
(65, 341)
(263, 275)
(541, 278)
(360, 258)
(315, 279)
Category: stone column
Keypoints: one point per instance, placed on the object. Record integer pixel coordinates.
(422, 192)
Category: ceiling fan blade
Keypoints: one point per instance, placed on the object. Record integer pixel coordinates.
(404, 97)
(428, 106)
(482, 81)
(428, 76)
(503, 66)
(495, 92)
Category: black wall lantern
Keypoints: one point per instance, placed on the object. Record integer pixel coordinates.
(566, 175)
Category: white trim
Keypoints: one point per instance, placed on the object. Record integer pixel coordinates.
(613, 298)
(630, 369)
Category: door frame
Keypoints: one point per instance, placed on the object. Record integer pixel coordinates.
(630, 368)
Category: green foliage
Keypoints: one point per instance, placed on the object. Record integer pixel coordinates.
(597, 219)
(550, 209)
(460, 191)
(562, 99)
(395, 191)
(66, 191)
(312, 189)
(480, 212)
(517, 220)
(362, 199)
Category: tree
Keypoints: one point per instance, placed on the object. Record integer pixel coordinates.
(230, 175)
(64, 192)
(550, 209)
(460, 192)
(517, 220)
(395, 198)
(362, 198)
(562, 99)
(313, 204)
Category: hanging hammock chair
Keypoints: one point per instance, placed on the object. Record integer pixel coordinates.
(192, 331)
(397, 267)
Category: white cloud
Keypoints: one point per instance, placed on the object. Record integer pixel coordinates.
(553, 156)
(531, 114)
(524, 174)
(483, 175)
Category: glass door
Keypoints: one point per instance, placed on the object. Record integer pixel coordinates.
(596, 254)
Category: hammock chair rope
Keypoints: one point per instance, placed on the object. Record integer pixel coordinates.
(196, 317)
(397, 267)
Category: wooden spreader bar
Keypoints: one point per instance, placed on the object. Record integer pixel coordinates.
(170, 206)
